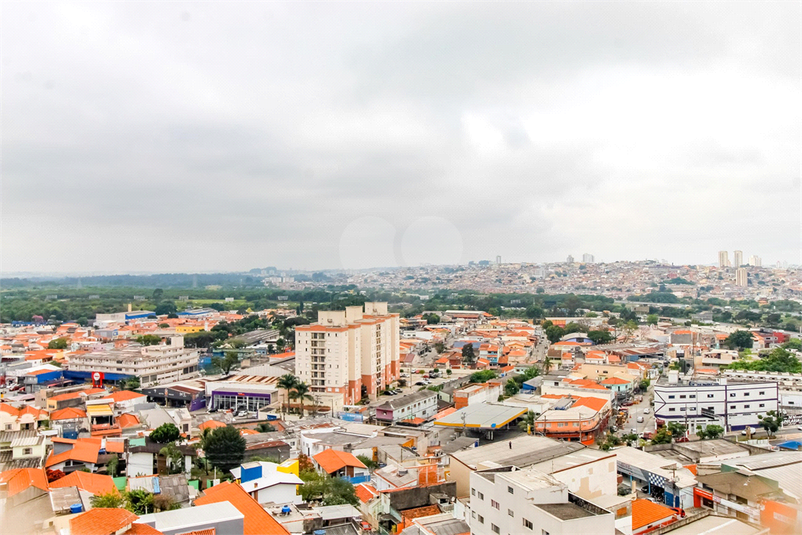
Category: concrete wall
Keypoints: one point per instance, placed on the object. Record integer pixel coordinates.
(419, 496)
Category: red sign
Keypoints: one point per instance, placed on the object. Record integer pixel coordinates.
(97, 379)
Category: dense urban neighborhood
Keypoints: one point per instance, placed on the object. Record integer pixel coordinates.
(633, 398)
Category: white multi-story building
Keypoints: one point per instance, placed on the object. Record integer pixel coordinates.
(587, 258)
(741, 277)
(152, 365)
(348, 349)
(737, 258)
(509, 501)
(755, 261)
(723, 259)
(716, 401)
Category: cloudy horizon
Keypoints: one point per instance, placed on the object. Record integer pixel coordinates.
(183, 137)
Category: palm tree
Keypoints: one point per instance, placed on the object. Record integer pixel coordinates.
(527, 422)
(546, 365)
(301, 393)
(287, 382)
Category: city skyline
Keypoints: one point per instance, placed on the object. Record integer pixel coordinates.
(213, 137)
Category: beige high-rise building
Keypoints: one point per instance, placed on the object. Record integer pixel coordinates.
(741, 277)
(348, 349)
(737, 258)
(723, 259)
(755, 261)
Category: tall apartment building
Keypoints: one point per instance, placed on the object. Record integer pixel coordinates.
(152, 365)
(587, 258)
(723, 259)
(569, 259)
(737, 258)
(755, 261)
(741, 277)
(348, 349)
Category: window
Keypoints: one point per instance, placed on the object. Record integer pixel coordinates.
(672, 409)
(544, 532)
(762, 405)
(692, 396)
(746, 394)
(473, 492)
(746, 406)
(528, 524)
(481, 496)
(27, 451)
(732, 394)
(510, 490)
(682, 396)
(495, 528)
(671, 396)
(481, 519)
(473, 514)
(732, 406)
(494, 504)
(682, 408)
(710, 396)
(762, 393)
(511, 513)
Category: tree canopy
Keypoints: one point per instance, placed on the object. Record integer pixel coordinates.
(739, 340)
(165, 433)
(225, 448)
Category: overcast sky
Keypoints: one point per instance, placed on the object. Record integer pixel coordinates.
(170, 136)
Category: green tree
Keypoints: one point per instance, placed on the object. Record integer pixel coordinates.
(139, 502)
(546, 365)
(340, 492)
(432, 319)
(739, 340)
(149, 340)
(709, 432)
(265, 427)
(132, 383)
(662, 436)
(778, 360)
(554, 333)
(225, 364)
(600, 337)
(158, 293)
(676, 429)
(367, 461)
(109, 500)
(652, 319)
(468, 356)
(165, 433)
(534, 312)
(225, 448)
(58, 343)
(771, 422)
(301, 393)
(112, 466)
(165, 308)
(527, 422)
(439, 347)
(482, 376)
(174, 458)
(511, 388)
(793, 343)
(287, 382)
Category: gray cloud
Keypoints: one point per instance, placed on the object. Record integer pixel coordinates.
(227, 136)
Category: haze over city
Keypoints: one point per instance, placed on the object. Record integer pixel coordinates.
(202, 137)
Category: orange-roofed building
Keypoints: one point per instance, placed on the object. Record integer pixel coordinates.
(102, 521)
(211, 424)
(21, 479)
(575, 418)
(69, 413)
(144, 529)
(647, 516)
(340, 464)
(257, 521)
(618, 384)
(69, 457)
(94, 484)
(126, 399)
(127, 420)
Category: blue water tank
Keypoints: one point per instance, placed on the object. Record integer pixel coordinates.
(319, 532)
(76, 508)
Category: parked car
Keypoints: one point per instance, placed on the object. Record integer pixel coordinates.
(678, 511)
(640, 419)
(645, 411)
(420, 383)
(682, 439)
(751, 430)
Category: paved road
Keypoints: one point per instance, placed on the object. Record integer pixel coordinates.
(637, 410)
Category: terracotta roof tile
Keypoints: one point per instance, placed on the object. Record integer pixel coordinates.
(645, 512)
(101, 521)
(257, 520)
(333, 460)
(91, 483)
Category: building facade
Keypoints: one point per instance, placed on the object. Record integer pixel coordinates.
(153, 365)
(421, 405)
(732, 405)
(349, 349)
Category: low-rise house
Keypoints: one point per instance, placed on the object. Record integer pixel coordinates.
(124, 400)
(648, 516)
(268, 483)
(618, 384)
(92, 484)
(476, 393)
(417, 405)
(21, 418)
(341, 464)
(71, 419)
(257, 521)
(144, 458)
(21, 449)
